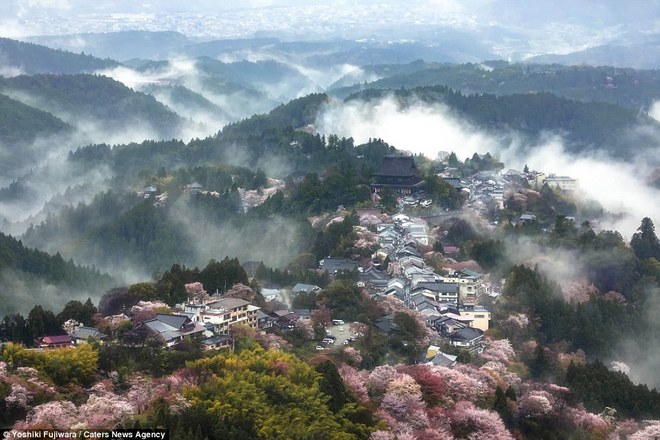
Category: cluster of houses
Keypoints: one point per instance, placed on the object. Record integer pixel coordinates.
(449, 303)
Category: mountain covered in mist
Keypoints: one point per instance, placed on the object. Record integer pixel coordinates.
(122, 46)
(25, 271)
(28, 58)
(532, 114)
(21, 124)
(631, 88)
(448, 46)
(262, 155)
(99, 102)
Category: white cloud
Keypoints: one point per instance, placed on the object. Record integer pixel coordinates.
(619, 187)
(654, 112)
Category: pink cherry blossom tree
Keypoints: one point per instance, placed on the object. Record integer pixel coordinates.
(354, 381)
(105, 412)
(19, 397)
(498, 351)
(652, 431)
(379, 379)
(241, 291)
(403, 401)
(51, 415)
(353, 356)
(468, 421)
(196, 292)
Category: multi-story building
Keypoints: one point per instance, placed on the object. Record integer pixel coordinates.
(399, 174)
(563, 183)
(225, 312)
(479, 314)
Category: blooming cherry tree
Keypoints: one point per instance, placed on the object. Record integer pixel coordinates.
(196, 292)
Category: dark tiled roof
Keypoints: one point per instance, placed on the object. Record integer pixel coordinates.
(466, 334)
(176, 321)
(402, 166)
(437, 287)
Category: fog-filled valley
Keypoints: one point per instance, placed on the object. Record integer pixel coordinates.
(411, 169)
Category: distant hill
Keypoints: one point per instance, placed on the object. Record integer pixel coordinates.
(187, 103)
(639, 56)
(118, 45)
(582, 123)
(635, 89)
(92, 98)
(20, 126)
(30, 277)
(279, 81)
(32, 58)
(449, 46)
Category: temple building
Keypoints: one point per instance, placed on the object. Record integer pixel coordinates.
(399, 174)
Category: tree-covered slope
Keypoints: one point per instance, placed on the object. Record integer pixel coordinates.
(29, 276)
(83, 97)
(20, 123)
(32, 58)
(635, 89)
(586, 125)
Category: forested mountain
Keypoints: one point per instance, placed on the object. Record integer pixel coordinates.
(388, 233)
(640, 56)
(632, 88)
(533, 113)
(29, 58)
(21, 124)
(83, 98)
(277, 79)
(24, 270)
(121, 46)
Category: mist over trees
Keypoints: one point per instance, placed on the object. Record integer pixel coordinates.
(251, 210)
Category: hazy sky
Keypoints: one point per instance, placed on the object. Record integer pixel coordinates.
(32, 17)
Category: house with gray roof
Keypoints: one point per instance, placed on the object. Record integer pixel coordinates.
(172, 329)
(82, 335)
(468, 337)
(335, 265)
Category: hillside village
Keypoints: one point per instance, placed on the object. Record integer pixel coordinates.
(276, 280)
(454, 299)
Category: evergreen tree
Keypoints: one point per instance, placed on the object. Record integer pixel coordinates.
(644, 242)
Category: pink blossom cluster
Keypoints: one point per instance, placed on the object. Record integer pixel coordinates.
(271, 341)
(498, 351)
(651, 431)
(353, 355)
(19, 397)
(51, 415)
(390, 304)
(380, 377)
(196, 292)
(514, 326)
(478, 423)
(536, 404)
(240, 290)
(590, 421)
(403, 401)
(578, 291)
(305, 326)
(355, 380)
